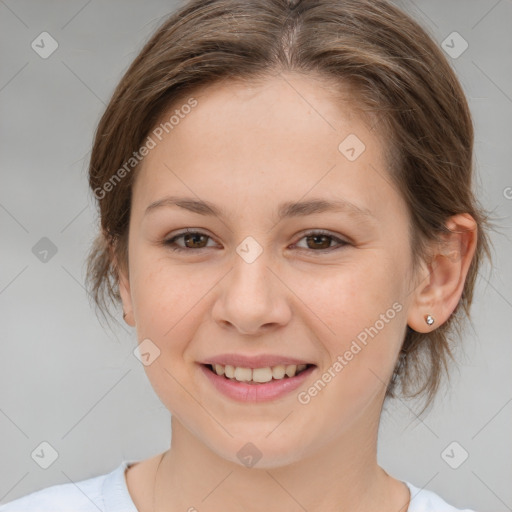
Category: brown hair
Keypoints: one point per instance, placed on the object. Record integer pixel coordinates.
(396, 71)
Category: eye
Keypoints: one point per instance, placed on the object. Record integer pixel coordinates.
(319, 241)
(191, 239)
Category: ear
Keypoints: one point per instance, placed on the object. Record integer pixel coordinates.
(441, 281)
(124, 290)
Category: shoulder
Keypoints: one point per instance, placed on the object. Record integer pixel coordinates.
(423, 500)
(84, 496)
(90, 495)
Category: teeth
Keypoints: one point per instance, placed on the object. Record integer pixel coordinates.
(229, 371)
(291, 369)
(278, 372)
(243, 374)
(260, 375)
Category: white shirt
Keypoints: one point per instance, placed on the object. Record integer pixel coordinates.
(109, 493)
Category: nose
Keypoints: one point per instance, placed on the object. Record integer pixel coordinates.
(252, 300)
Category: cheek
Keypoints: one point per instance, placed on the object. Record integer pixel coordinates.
(168, 298)
(348, 297)
(168, 311)
(362, 308)
(356, 312)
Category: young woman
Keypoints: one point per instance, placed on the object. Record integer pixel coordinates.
(287, 218)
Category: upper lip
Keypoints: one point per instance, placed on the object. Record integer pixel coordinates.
(259, 361)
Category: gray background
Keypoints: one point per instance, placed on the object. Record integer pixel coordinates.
(66, 381)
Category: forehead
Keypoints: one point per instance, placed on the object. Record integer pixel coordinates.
(288, 134)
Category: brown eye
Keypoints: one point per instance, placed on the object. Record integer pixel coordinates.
(191, 240)
(195, 240)
(318, 241)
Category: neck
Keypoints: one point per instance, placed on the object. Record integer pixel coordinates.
(342, 475)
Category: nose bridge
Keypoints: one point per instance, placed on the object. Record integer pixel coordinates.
(251, 297)
(250, 278)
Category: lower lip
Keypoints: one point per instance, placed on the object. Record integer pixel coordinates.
(244, 392)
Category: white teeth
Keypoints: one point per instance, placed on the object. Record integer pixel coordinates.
(291, 370)
(229, 371)
(278, 372)
(260, 375)
(243, 374)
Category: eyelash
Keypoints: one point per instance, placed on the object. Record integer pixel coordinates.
(172, 244)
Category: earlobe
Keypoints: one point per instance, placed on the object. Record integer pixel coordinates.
(440, 290)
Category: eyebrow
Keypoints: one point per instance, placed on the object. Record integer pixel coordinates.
(285, 210)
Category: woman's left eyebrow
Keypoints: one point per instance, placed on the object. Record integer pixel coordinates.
(285, 210)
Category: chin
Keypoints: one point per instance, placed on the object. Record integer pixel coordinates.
(259, 452)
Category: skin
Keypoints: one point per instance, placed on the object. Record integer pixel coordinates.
(246, 149)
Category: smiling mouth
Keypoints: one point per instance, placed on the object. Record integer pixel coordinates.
(258, 375)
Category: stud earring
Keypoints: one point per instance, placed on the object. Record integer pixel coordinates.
(429, 319)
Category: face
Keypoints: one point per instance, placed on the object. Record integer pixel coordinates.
(330, 287)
